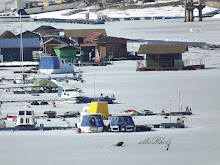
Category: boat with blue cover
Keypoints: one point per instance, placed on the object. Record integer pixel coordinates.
(54, 65)
(91, 122)
(121, 123)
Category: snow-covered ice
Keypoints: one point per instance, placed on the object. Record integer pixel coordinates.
(196, 144)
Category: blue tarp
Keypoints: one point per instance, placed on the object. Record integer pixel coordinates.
(121, 121)
(49, 63)
(60, 90)
(92, 121)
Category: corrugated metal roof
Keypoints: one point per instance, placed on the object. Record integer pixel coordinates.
(83, 32)
(15, 43)
(111, 40)
(93, 36)
(162, 48)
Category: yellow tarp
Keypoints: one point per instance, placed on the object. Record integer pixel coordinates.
(99, 107)
(46, 4)
(58, 2)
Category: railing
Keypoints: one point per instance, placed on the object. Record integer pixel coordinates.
(13, 63)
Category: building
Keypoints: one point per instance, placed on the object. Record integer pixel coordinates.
(7, 34)
(10, 48)
(162, 56)
(107, 47)
(78, 35)
(49, 45)
(112, 47)
(66, 52)
(48, 32)
(29, 34)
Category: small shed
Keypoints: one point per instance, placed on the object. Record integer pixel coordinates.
(66, 52)
(50, 44)
(163, 56)
(112, 47)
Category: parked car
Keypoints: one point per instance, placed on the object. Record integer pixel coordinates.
(136, 113)
(34, 103)
(132, 112)
(71, 114)
(50, 114)
(146, 112)
(44, 103)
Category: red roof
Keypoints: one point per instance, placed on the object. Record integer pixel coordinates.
(93, 36)
(88, 44)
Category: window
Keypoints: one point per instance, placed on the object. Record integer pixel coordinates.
(62, 61)
(27, 120)
(21, 112)
(28, 113)
(21, 120)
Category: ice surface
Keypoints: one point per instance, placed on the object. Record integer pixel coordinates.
(197, 144)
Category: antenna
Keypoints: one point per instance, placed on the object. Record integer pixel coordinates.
(94, 86)
(179, 101)
(180, 104)
(170, 111)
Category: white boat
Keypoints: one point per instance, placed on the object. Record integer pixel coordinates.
(24, 79)
(54, 65)
(36, 7)
(90, 123)
(69, 94)
(26, 119)
(14, 15)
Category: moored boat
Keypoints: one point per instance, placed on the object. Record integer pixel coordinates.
(26, 119)
(36, 7)
(14, 15)
(90, 123)
(54, 65)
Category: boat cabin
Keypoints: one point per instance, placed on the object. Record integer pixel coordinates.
(91, 123)
(68, 93)
(121, 123)
(26, 118)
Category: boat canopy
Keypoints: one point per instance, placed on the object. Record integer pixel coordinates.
(99, 107)
(45, 83)
(49, 62)
(92, 120)
(121, 121)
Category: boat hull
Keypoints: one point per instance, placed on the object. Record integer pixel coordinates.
(56, 71)
(37, 10)
(14, 19)
(91, 129)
